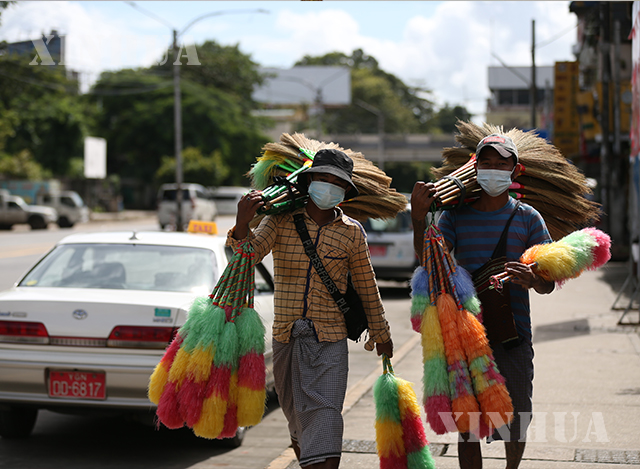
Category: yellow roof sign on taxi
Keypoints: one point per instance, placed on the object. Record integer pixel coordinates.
(197, 226)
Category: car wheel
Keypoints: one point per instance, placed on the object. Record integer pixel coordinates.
(63, 222)
(36, 222)
(5, 227)
(17, 422)
(237, 440)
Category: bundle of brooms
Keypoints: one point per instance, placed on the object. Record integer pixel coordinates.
(276, 172)
(549, 182)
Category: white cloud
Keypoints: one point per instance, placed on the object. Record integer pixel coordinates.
(94, 42)
(446, 49)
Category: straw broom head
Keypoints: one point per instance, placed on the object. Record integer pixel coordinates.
(554, 186)
(377, 198)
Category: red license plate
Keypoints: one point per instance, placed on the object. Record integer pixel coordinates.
(378, 250)
(77, 384)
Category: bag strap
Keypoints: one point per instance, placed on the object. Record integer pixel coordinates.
(500, 249)
(316, 262)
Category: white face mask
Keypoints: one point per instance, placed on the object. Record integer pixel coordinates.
(325, 195)
(494, 181)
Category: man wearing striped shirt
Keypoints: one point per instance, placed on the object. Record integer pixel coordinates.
(472, 233)
(310, 353)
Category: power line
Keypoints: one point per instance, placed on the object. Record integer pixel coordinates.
(150, 14)
(555, 38)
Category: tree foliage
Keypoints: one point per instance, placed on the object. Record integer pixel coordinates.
(206, 170)
(40, 112)
(404, 110)
(222, 67)
(447, 116)
(216, 117)
(22, 166)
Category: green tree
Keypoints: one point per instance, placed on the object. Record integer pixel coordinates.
(136, 116)
(447, 117)
(222, 67)
(405, 175)
(403, 107)
(197, 168)
(40, 111)
(22, 166)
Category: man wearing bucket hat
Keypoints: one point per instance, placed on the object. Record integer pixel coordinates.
(310, 354)
(493, 233)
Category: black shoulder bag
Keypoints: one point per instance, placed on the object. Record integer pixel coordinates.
(350, 303)
(497, 315)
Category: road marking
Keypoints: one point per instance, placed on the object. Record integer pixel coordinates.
(34, 249)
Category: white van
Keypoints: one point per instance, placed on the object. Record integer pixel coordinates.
(70, 206)
(227, 198)
(197, 204)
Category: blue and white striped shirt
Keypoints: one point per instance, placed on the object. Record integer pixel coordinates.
(475, 234)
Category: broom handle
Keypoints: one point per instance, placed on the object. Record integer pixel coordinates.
(225, 278)
(454, 192)
(386, 364)
(451, 197)
(465, 174)
(438, 265)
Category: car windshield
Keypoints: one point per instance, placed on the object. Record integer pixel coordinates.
(170, 195)
(126, 266)
(400, 224)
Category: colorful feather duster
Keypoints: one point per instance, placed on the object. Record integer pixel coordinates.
(276, 172)
(400, 439)
(460, 375)
(549, 183)
(559, 261)
(212, 376)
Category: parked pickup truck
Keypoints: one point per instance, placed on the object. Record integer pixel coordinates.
(69, 205)
(14, 210)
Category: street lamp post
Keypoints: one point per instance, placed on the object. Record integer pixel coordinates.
(177, 97)
(177, 129)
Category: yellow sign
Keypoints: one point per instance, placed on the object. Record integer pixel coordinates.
(197, 226)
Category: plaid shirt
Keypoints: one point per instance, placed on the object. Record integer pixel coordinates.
(299, 291)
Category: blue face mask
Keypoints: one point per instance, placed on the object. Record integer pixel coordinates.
(325, 195)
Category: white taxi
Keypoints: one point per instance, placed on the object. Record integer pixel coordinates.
(85, 327)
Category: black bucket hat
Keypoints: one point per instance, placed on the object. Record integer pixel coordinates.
(331, 161)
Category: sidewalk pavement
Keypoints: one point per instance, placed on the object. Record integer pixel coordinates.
(586, 388)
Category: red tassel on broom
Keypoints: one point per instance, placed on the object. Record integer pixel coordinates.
(197, 381)
(160, 375)
(479, 397)
(168, 410)
(400, 439)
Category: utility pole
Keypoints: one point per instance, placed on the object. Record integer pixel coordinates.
(177, 104)
(177, 123)
(534, 91)
(605, 153)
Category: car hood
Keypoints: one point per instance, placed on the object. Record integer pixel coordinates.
(93, 312)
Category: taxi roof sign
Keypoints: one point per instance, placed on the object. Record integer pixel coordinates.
(197, 226)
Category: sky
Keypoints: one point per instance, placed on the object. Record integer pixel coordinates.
(445, 47)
